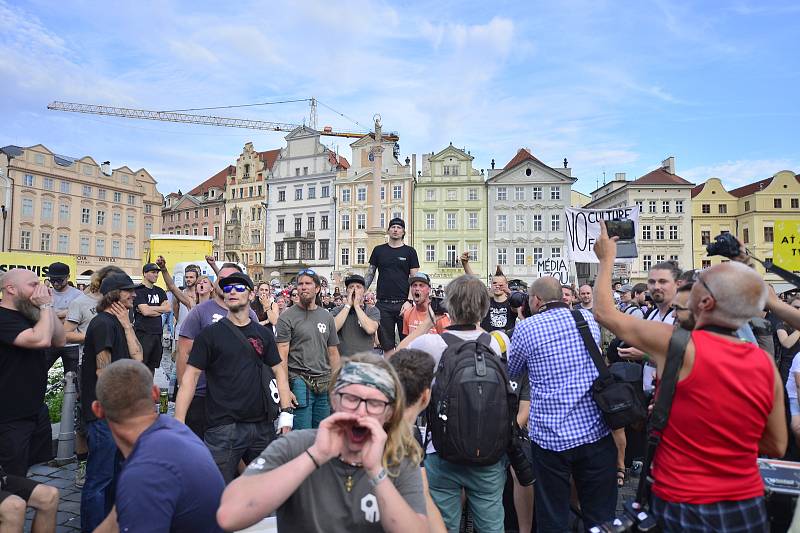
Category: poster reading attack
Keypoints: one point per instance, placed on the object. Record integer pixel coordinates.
(583, 230)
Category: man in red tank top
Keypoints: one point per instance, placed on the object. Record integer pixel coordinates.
(728, 403)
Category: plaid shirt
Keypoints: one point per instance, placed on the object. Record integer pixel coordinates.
(560, 369)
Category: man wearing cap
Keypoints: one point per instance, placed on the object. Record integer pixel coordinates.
(234, 353)
(63, 294)
(626, 302)
(150, 303)
(394, 262)
(109, 337)
(418, 313)
(355, 322)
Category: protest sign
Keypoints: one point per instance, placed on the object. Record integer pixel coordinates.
(556, 268)
(786, 244)
(36, 262)
(583, 229)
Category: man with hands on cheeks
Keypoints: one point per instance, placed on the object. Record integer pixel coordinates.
(357, 472)
(356, 323)
(730, 412)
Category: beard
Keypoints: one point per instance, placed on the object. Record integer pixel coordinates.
(236, 307)
(28, 310)
(658, 297)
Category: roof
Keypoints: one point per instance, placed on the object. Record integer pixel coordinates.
(751, 188)
(660, 176)
(218, 180)
(697, 190)
(341, 163)
(522, 155)
(269, 157)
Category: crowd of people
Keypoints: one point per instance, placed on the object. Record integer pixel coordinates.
(400, 410)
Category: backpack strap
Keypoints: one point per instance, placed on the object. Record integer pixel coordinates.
(450, 339)
(591, 345)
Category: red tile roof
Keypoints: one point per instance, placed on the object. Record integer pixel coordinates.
(522, 155)
(218, 180)
(747, 190)
(341, 164)
(660, 177)
(269, 157)
(697, 190)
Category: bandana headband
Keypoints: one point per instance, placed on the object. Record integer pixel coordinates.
(367, 374)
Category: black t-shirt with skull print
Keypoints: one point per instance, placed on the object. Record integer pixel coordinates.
(501, 316)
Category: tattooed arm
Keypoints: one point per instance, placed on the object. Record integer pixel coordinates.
(370, 276)
(121, 312)
(103, 359)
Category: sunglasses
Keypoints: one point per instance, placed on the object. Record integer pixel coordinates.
(678, 308)
(238, 288)
(307, 271)
(699, 279)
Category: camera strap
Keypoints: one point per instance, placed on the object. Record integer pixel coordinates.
(663, 404)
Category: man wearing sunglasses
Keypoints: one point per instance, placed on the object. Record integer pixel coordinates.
(239, 427)
(683, 315)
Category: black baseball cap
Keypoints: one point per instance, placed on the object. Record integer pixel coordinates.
(58, 270)
(420, 276)
(355, 278)
(117, 281)
(237, 278)
(149, 267)
(397, 221)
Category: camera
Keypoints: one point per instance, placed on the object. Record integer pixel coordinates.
(726, 245)
(520, 461)
(438, 306)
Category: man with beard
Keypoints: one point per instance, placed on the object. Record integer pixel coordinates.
(186, 298)
(308, 344)
(420, 298)
(150, 303)
(109, 337)
(63, 294)
(568, 295)
(28, 325)
(501, 315)
(238, 423)
(356, 323)
(395, 262)
(683, 315)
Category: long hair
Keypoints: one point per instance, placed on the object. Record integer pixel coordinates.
(400, 443)
(98, 277)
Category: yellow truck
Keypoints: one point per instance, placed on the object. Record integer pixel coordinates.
(179, 251)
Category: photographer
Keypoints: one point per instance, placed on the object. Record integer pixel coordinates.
(421, 300)
(356, 323)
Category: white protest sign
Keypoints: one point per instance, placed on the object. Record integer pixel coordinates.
(556, 268)
(583, 230)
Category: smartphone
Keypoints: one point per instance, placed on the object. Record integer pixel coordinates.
(621, 228)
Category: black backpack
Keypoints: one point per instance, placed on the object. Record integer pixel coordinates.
(472, 407)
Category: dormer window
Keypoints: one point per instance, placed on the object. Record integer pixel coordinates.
(247, 170)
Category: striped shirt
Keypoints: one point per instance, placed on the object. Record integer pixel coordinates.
(561, 372)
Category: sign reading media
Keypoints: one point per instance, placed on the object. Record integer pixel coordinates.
(583, 230)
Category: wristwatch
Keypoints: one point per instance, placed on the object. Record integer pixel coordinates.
(289, 410)
(46, 306)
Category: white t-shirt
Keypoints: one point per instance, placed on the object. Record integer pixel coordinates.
(791, 385)
(649, 371)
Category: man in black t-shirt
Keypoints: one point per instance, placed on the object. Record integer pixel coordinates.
(501, 316)
(109, 337)
(150, 303)
(238, 424)
(28, 325)
(394, 262)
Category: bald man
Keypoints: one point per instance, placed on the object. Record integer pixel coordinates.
(585, 297)
(28, 325)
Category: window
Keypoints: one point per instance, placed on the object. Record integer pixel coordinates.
(452, 255)
(48, 184)
(536, 193)
(647, 262)
(297, 171)
(639, 204)
(305, 171)
(795, 202)
(723, 208)
(298, 225)
(705, 263)
(777, 203)
(84, 247)
(519, 193)
(291, 251)
(646, 234)
(84, 215)
(346, 222)
(397, 192)
(472, 195)
(451, 170)
(27, 207)
(383, 193)
(63, 244)
(345, 256)
(502, 256)
(101, 218)
(747, 205)
(65, 187)
(186, 215)
(502, 194)
(361, 194)
(278, 251)
(555, 222)
(430, 221)
(472, 220)
(27, 181)
(361, 256)
(537, 222)
(100, 246)
(555, 192)
(63, 213)
(255, 236)
(44, 242)
(312, 223)
(519, 256)
(148, 229)
(555, 252)
(129, 250)
(325, 191)
(196, 213)
(746, 235)
(705, 209)
(216, 232)
(502, 222)
(679, 206)
(659, 233)
(651, 206)
(673, 258)
(281, 196)
(396, 214)
(768, 234)
(451, 195)
(538, 254)
(673, 233)
(665, 206)
(132, 223)
(131, 199)
(430, 195)
(705, 237)
(323, 223)
(519, 223)
(361, 221)
(323, 248)
(25, 239)
(298, 193)
(216, 210)
(87, 191)
(451, 221)
(205, 231)
(114, 248)
(660, 258)
(260, 193)
(430, 253)
(383, 220)
(345, 196)
(39, 158)
(472, 249)
(101, 195)
(47, 209)
(117, 196)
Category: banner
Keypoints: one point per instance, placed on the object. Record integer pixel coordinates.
(786, 244)
(583, 230)
(37, 262)
(556, 268)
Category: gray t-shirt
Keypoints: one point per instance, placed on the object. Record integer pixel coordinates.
(353, 338)
(321, 502)
(81, 311)
(309, 333)
(62, 299)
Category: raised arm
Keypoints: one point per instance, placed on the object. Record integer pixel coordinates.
(41, 334)
(465, 264)
(171, 287)
(213, 264)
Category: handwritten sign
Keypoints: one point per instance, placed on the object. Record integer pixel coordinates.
(583, 230)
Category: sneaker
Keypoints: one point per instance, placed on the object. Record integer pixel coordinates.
(80, 475)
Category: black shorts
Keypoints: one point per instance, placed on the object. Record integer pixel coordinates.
(18, 486)
(152, 349)
(25, 442)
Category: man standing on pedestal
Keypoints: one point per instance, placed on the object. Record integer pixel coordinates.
(150, 303)
(394, 262)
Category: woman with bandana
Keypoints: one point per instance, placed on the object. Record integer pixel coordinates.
(357, 472)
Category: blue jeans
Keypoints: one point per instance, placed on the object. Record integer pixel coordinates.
(102, 466)
(312, 408)
(594, 469)
(230, 443)
(483, 486)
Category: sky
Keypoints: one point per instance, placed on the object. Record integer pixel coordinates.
(611, 86)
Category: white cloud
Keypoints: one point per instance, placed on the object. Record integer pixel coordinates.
(740, 172)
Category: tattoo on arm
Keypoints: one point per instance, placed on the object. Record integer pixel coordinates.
(370, 276)
(102, 360)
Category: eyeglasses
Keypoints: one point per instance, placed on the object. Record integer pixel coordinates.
(697, 277)
(350, 402)
(238, 288)
(294, 295)
(679, 307)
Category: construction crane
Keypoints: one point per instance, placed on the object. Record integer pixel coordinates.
(206, 120)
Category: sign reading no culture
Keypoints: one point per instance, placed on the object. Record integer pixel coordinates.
(583, 230)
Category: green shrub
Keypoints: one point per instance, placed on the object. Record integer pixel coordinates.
(54, 395)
